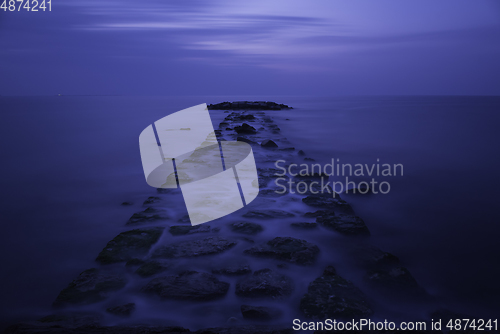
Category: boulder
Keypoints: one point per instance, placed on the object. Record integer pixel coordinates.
(188, 285)
(182, 229)
(287, 249)
(246, 227)
(127, 203)
(268, 143)
(330, 296)
(122, 310)
(265, 283)
(150, 215)
(129, 244)
(233, 270)
(151, 267)
(193, 248)
(90, 286)
(260, 313)
(345, 224)
(245, 128)
(268, 214)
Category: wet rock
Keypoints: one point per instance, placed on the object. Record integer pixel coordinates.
(122, 310)
(304, 226)
(248, 105)
(62, 328)
(318, 213)
(151, 267)
(287, 249)
(245, 128)
(182, 230)
(90, 286)
(233, 270)
(261, 313)
(150, 215)
(326, 201)
(374, 258)
(134, 262)
(398, 279)
(302, 153)
(265, 283)
(188, 285)
(268, 144)
(268, 214)
(127, 203)
(274, 192)
(331, 296)
(129, 244)
(74, 319)
(309, 159)
(246, 227)
(345, 224)
(244, 117)
(152, 200)
(192, 248)
(184, 220)
(361, 190)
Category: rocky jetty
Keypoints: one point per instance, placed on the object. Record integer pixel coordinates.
(253, 271)
(248, 105)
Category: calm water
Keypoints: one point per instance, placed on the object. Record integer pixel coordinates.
(68, 162)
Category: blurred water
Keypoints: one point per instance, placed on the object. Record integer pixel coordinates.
(68, 163)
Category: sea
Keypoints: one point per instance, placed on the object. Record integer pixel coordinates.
(68, 162)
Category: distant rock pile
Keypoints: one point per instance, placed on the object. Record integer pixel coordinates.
(248, 105)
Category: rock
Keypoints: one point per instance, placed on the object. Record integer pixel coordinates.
(309, 159)
(398, 279)
(90, 286)
(150, 215)
(233, 270)
(248, 105)
(287, 249)
(265, 283)
(268, 144)
(129, 244)
(134, 262)
(245, 128)
(345, 224)
(151, 267)
(361, 190)
(127, 203)
(304, 226)
(318, 213)
(268, 214)
(242, 117)
(246, 227)
(122, 310)
(188, 285)
(302, 153)
(184, 220)
(331, 296)
(326, 201)
(374, 258)
(260, 312)
(63, 328)
(182, 230)
(192, 248)
(152, 200)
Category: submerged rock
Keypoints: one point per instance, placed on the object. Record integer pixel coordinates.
(152, 200)
(233, 270)
(245, 128)
(330, 296)
(246, 227)
(150, 215)
(261, 313)
(127, 203)
(199, 247)
(345, 224)
(151, 267)
(287, 249)
(268, 214)
(268, 143)
(129, 244)
(398, 279)
(90, 286)
(265, 283)
(326, 201)
(122, 310)
(188, 285)
(182, 230)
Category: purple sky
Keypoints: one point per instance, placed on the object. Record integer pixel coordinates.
(272, 47)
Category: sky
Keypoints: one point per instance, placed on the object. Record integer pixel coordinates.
(272, 47)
